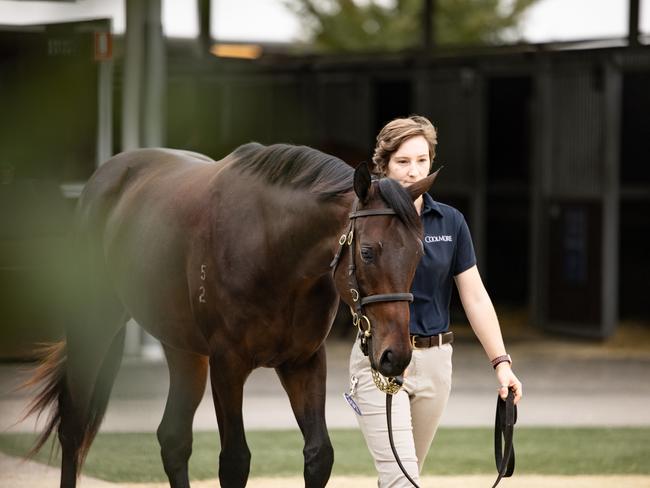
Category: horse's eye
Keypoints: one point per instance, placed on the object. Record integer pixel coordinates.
(367, 254)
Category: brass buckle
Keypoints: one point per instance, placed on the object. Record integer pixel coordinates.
(413, 337)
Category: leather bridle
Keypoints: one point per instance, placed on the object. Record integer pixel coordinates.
(359, 318)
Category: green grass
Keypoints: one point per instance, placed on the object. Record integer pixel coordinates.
(135, 457)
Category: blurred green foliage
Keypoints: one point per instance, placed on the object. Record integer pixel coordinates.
(372, 25)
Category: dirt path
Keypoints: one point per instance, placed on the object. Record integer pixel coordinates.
(447, 482)
(16, 473)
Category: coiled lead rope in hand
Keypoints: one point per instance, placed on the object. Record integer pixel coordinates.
(504, 425)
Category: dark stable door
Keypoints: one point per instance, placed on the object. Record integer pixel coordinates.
(575, 265)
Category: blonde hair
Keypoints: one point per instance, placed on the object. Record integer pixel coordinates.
(394, 133)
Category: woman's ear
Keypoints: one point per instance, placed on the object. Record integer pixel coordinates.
(362, 181)
(422, 186)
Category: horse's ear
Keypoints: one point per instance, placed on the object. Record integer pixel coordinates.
(422, 186)
(362, 181)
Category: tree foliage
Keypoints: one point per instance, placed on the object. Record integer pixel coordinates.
(381, 25)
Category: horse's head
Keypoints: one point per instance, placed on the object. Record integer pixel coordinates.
(375, 275)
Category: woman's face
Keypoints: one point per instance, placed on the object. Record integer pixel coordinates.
(410, 163)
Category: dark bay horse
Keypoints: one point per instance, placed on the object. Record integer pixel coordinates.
(228, 264)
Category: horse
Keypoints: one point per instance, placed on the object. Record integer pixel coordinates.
(227, 264)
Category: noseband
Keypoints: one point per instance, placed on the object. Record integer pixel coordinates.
(359, 319)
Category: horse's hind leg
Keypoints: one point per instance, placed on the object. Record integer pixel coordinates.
(305, 385)
(228, 372)
(187, 377)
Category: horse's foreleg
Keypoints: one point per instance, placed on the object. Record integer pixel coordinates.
(305, 385)
(187, 376)
(227, 376)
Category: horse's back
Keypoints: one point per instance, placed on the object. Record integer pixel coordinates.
(131, 167)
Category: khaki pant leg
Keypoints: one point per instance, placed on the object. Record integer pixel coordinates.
(431, 375)
(372, 422)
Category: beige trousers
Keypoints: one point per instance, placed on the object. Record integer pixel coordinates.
(417, 409)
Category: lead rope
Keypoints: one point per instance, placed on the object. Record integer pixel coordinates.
(504, 425)
(389, 405)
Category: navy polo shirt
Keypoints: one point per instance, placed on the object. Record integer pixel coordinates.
(448, 251)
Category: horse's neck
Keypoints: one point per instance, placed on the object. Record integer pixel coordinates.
(340, 213)
(319, 228)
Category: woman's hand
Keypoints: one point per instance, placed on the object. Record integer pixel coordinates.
(507, 379)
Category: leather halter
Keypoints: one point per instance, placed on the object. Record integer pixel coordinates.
(358, 300)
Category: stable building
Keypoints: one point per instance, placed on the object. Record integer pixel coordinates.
(543, 148)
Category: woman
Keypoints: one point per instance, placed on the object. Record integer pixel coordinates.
(405, 150)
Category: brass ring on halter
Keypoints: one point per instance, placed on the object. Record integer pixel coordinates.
(367, 331)
(355, 319)
(355, 295)
(342, 239)
(350, 237)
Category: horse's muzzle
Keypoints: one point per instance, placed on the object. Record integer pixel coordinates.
(393, 364)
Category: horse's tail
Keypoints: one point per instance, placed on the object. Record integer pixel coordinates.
(49, 377)
(75, 377)
(75, 416)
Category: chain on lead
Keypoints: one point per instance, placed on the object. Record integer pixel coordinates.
(388, 385)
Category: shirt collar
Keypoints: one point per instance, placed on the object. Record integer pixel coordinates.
(430, 205)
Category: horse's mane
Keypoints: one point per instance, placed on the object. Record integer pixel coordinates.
(320, 173)
(295, 166)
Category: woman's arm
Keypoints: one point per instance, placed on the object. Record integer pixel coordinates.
(483, 319)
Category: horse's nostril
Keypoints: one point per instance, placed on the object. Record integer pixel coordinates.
(392, 364)
(387, 360)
